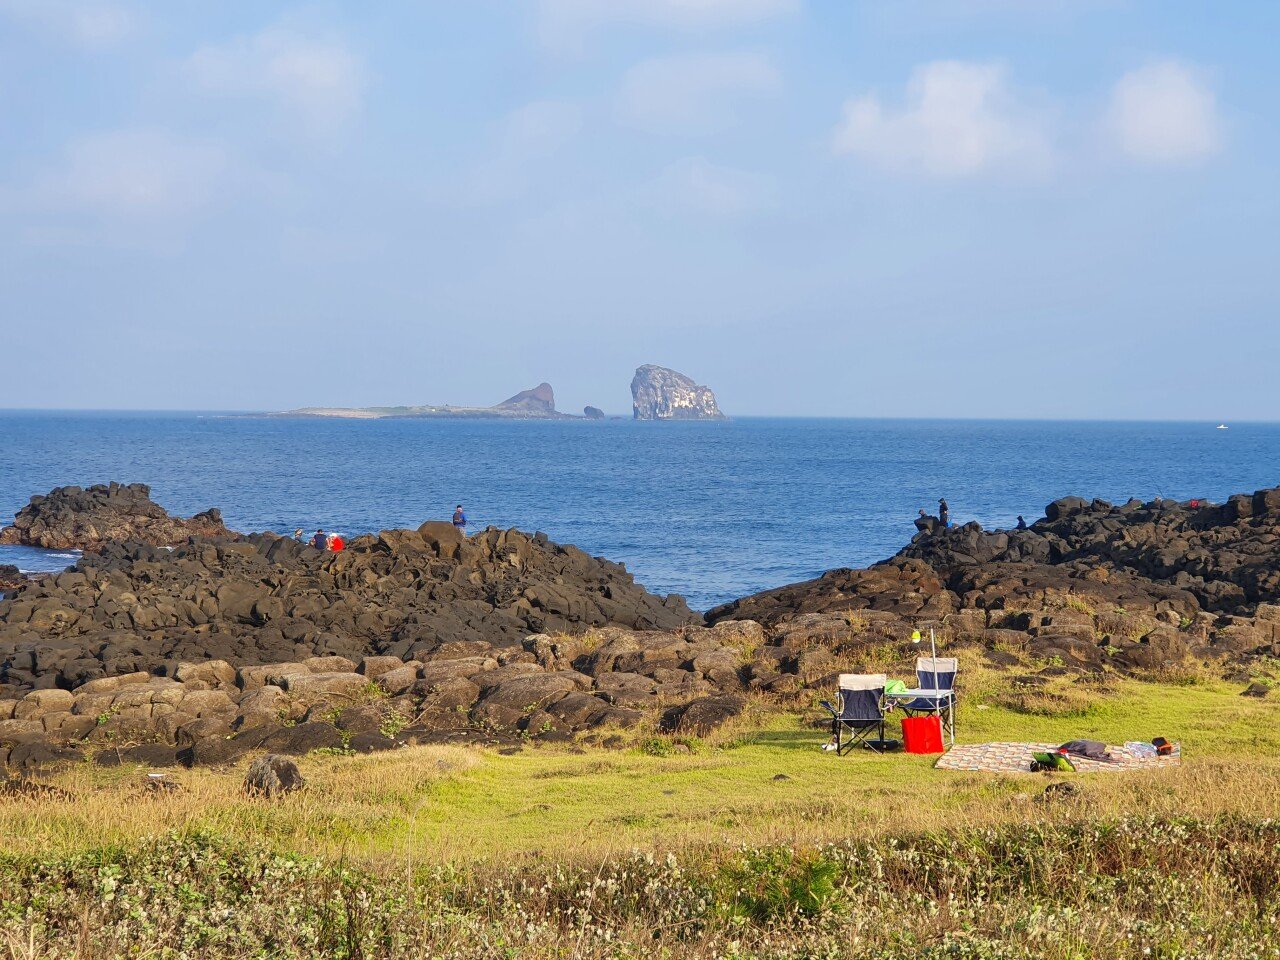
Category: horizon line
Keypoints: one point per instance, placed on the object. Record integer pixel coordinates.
(619, 416)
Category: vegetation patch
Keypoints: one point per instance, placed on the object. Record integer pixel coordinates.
(1131, 887)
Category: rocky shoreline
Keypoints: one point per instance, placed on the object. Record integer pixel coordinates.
(229, 643)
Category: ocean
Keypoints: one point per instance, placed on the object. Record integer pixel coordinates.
(711, 511)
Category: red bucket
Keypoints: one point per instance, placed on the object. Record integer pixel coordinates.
(922, 734)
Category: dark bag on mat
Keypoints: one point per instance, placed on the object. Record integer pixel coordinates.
(1089, 749)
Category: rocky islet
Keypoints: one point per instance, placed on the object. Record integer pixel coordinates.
(659, 393)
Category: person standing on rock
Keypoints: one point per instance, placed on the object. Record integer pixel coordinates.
(460, 521)
(944, 518)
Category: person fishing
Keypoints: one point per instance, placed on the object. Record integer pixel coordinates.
(944, 514)
(460, 521)
(1022, 524)
(925, 523)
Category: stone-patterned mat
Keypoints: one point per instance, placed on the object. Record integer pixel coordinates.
(1017, 757)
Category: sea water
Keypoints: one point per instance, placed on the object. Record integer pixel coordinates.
(712, 511)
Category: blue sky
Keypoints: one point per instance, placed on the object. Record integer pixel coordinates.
(1010, 208)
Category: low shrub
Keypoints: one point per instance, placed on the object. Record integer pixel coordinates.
(1136, 887)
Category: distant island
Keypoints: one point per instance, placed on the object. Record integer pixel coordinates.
(657, 393)
(536, 404)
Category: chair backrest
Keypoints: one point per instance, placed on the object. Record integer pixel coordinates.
(860, 695)
(936, 673)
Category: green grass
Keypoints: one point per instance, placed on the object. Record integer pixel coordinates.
(766, 783)
(541, 800)
(755, 843)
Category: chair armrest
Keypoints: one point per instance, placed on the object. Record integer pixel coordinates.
(829, 708)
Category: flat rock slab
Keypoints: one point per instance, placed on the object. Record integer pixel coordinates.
(1017, 757)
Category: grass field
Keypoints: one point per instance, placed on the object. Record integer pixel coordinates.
(751, 844)
(763, 780)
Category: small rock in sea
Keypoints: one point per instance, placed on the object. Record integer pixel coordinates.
(273, 776)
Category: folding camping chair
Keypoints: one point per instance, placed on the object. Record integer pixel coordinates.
(936, 673)
(861, 712)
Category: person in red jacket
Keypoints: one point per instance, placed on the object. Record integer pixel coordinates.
(336, 543)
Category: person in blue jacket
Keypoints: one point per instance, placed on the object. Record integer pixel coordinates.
(460, 521)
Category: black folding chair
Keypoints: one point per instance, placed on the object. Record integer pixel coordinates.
(936, 673)
(861, 713)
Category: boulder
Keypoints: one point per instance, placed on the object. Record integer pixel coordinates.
(273, 776)
(699, 717)
(304, 738)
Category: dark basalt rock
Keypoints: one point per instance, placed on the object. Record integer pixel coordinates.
(71, 518)
(265, 599)
(1157, 556)
(593, 413)
(11, 577)
(273, 776)
(699, 717)
(658, 393)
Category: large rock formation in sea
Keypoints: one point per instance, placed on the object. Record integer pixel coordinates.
(74, 518)
(540, 401)
(658, 393)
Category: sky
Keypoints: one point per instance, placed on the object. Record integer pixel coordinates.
(916, 208)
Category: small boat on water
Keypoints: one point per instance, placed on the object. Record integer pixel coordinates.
(1222, 426)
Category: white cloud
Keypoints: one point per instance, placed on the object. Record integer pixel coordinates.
(695, 94)
(1163, 113)
(957, 119)
(567, 24)
(318, 79)
(694, 183)
(541, 127)
(532, 133)
(93, 24)
(139, 174)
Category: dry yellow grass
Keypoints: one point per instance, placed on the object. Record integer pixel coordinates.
(761, 780)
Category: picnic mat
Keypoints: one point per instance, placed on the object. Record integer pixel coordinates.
(1017, 757)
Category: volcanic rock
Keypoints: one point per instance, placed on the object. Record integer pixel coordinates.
(540, 400)
(265, 604)
(71, 518)
(593, 413)
(11, 576)
(658, 393)
(273, 776)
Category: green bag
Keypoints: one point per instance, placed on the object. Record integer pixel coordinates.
(1051, 761)
(894, 686)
